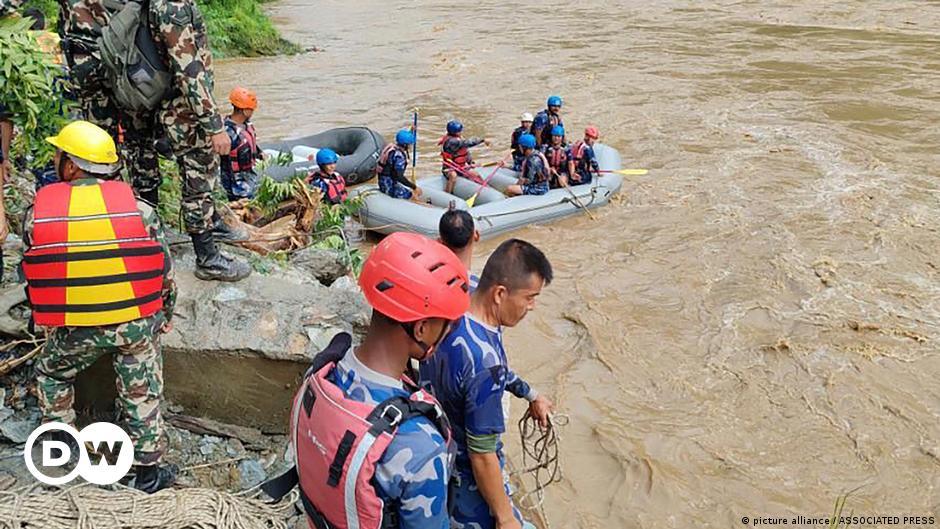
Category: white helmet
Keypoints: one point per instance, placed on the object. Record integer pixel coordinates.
(526, 116)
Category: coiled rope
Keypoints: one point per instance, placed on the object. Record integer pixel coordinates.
(540, 446)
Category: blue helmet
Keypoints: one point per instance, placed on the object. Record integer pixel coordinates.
(454, 127)
(554, 101)
(527, 141)
(558, 130)
(405, 137)
(326, 156)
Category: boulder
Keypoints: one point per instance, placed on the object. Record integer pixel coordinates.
(324, 264)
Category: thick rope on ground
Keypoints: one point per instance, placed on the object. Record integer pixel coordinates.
(90, 507)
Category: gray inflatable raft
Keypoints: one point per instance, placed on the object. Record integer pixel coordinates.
(493, 212)
(358, 149)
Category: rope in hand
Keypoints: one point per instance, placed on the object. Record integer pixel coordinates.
(540, 453)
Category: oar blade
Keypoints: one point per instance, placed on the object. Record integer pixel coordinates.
(471, 200)
(632, 172)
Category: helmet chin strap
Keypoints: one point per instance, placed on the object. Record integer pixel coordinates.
(428, 349)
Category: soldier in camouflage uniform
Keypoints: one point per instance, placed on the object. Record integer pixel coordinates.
(79, 27)
(188, 116)
(134, 345)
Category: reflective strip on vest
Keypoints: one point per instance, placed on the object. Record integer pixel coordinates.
(557, 157)
(91, 261)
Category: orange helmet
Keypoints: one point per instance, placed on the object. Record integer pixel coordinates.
(243, 98)
(592, 132)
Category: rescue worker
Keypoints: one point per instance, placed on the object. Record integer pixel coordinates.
(524, 128)
(115, 297)
(178, 68)
(391, 166)
(583, 162)
(349, 471)
(535, 172)
(546, 119)
(330, 183)
(238, 166)
(469, 375)
(455, 153)
(557, 155)
(457, 232)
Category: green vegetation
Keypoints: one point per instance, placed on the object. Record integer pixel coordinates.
(237, 28)
(29, 91)
(329, 231)
(240, 28)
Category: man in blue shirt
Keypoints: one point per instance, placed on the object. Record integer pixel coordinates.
(547, 119)
(469, 374)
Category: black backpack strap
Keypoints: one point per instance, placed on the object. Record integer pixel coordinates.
(392, 412)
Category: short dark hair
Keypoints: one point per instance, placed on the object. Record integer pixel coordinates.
(39, 20)
(511, 265)
(456, 229)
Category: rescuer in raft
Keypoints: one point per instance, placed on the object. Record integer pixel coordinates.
(557, 155)
(100, 279)
(238, 166)
(369, 446)
(546, 119)
(455, 155)
(330, 183)
(524, 128)
(534, 172)
(583, 162)
(391, 166)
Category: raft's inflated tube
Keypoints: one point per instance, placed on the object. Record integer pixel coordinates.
(493, 213)
(358, 149)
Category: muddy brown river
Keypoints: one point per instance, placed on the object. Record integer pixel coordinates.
(751, 329)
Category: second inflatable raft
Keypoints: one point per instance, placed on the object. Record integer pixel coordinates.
(493, 211)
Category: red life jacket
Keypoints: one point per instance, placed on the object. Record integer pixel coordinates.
(91, 260)
(543, 176)
(337, 442)
(383, 158)
(557, 158)
(461, 158)
(243, 153)
(335, 185)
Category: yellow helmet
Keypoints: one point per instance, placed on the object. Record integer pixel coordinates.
(88, 145)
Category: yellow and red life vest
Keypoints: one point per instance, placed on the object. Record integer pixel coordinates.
(91, 260)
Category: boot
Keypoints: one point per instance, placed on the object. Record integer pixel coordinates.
(151, 478)
(213, 265)
(225, 233)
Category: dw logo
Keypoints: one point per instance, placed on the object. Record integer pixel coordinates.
(106, 441)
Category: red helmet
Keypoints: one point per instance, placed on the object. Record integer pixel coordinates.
(592, 132)
(409, 277)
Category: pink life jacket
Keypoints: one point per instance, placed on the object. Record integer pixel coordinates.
(337, 442)
(383, 158)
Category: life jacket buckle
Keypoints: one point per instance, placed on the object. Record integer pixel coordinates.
(398, 417)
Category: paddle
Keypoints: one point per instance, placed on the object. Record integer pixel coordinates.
(577, 202)
(499, 164)
(414, 150)
(625, 172)
(462, 171)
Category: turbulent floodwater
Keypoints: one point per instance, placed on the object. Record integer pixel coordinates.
(750, 330)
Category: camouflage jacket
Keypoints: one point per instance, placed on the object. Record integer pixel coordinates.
(179, 29)
(153, 225)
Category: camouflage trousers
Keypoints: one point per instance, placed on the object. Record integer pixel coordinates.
(199, 166)
(139, 131)
(138, 364)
